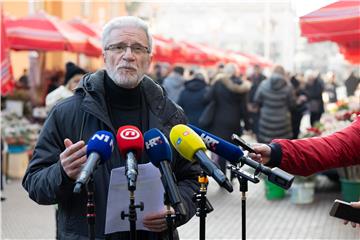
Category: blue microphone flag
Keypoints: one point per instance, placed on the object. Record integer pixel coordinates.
(102, 142)
(157, 146)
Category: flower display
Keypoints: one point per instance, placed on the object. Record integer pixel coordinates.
(17, 130)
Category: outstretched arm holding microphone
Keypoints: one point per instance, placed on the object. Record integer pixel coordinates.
(310, 155)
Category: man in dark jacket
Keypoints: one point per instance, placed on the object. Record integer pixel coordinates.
(106, 100)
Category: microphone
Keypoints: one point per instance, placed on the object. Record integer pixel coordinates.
(99, 149)
(235, 155)
(131, 145)
(191, 147)
(159, 152)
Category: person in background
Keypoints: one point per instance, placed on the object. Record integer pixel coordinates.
(192, 97)
(24, 79)
(314, 89)
(275, 99)
(119, 95)
(174, 83)
(227, 94)
(330, 87)
(73, 74)
(297, 113)
(310, 155)
(256, 78)
(158, 73)
(351, 83)
(54, 80)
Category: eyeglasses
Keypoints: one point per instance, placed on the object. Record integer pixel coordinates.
(120, 48)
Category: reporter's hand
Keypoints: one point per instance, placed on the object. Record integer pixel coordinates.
(354, 205)
(263, 152)
(156, 222)
(73, 158)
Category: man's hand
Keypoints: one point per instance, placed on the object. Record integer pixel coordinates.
(263, 152)
(73, 157)
(354, 205)
(156, 222)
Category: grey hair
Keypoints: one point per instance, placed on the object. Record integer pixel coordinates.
(230, 69)
(125, 21)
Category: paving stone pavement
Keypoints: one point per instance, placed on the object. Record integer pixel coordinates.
(21, 218)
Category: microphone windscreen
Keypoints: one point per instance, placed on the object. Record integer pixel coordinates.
(157, 146)
(186, 141)
(102, 142)
(130, 139)
(227, 150)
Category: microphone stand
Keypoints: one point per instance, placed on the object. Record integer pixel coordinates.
(132, 214)
(203, 205)
(170, 218)
(243, 178)
(90, 207)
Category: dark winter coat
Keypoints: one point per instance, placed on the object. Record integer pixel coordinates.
(314, 92)
(275, 98)
(228, 96)
(79, 117)
(192, 99)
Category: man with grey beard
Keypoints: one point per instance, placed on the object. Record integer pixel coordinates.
(119, 95)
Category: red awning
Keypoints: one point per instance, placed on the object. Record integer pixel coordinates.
(7, 78)
(48, 33)
(198, 54)
(338, 22)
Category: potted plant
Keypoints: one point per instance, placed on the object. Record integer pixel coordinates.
(350, 183)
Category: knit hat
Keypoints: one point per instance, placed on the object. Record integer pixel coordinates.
(71, 71)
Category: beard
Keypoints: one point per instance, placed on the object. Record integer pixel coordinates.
(123, 78)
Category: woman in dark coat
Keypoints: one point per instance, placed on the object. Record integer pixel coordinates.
(227, 93)
(192, 98)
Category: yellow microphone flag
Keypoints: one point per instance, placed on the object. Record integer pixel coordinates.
(186, 141)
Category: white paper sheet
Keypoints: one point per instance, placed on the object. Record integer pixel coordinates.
(149, 190)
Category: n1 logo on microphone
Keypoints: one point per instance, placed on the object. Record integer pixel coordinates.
(129, 134)
(209, 141)
(104, 138)
(153, 142)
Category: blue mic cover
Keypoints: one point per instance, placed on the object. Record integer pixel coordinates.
(102, 142)
(229, 151)
(157, 146)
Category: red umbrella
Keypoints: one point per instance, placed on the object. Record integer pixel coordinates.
(83, 26)
(48, 33)
(92, 31)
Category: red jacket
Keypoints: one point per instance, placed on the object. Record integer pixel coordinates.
(310, 155)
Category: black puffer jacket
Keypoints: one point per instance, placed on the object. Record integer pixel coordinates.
(79, 117)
